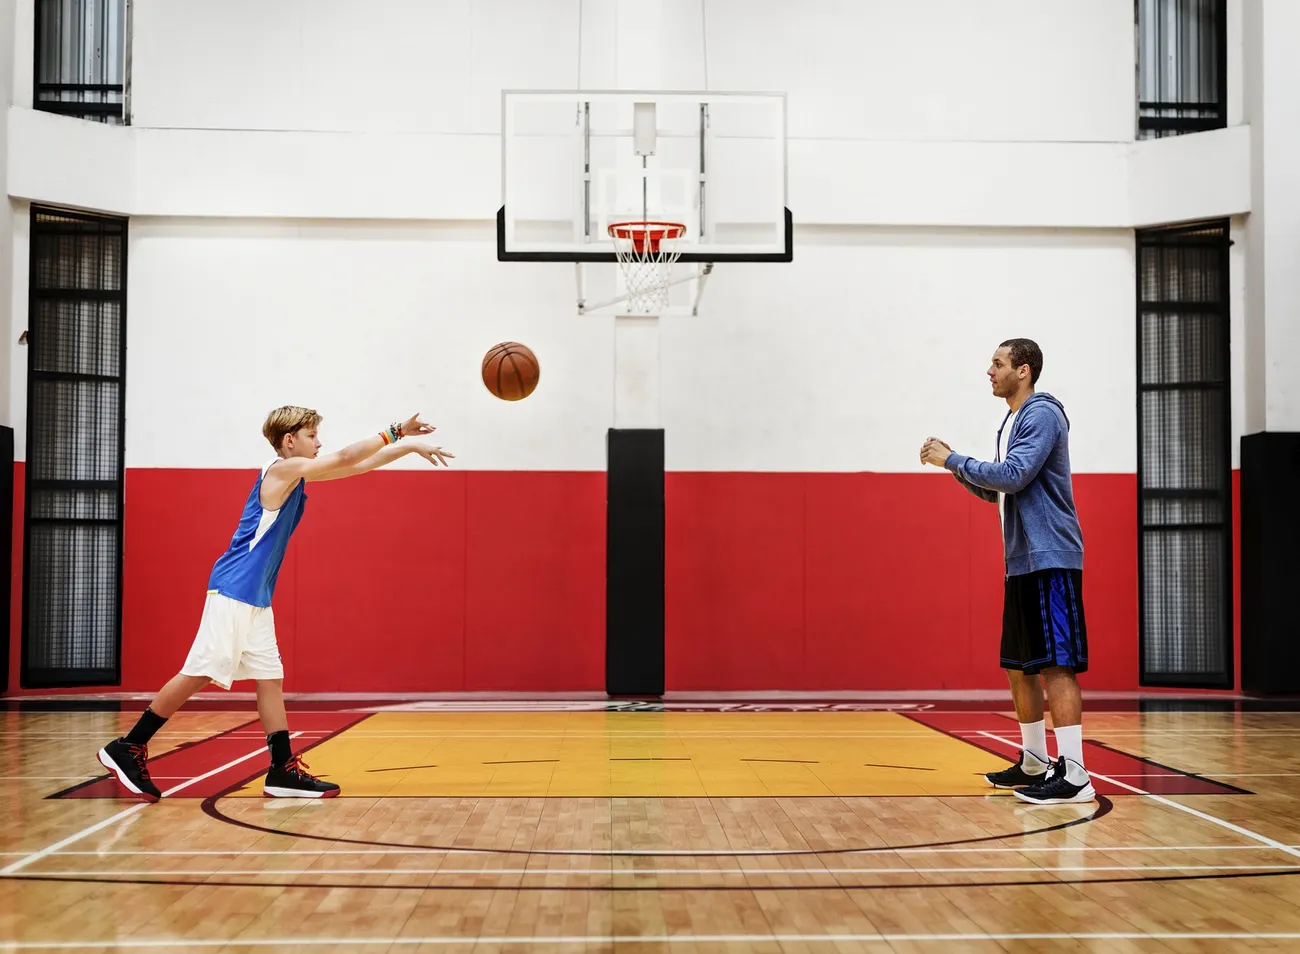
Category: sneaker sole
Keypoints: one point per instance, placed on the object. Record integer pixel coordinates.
(108, 763)
(1012, 786)
(270, 792)
(1086, 795)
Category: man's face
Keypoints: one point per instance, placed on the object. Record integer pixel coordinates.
(1002, 376)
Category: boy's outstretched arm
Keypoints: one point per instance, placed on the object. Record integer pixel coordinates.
(284, 474)
(430, 452)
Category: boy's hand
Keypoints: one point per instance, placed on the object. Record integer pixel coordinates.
(415, 427)
(432, 453)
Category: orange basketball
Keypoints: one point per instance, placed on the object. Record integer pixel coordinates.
(510, 370)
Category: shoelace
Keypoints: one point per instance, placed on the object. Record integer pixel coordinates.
(1055, 780)
(297, 766)
(141, 755)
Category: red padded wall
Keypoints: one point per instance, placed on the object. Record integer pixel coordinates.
(869, 581)
(415, 582)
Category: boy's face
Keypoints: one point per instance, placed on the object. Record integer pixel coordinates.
(302, 443)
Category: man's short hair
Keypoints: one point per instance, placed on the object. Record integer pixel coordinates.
(1025, 351)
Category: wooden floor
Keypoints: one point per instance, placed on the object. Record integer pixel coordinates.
(584, 830)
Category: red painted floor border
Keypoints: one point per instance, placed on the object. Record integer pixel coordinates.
(1098, 757)
(191, 760)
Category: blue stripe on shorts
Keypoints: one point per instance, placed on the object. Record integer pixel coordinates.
(1057, 603)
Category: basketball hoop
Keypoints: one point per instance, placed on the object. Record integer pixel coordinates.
(646, 252)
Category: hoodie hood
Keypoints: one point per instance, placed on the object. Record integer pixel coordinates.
(1051, 399)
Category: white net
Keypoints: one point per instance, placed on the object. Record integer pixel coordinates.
(646, 252)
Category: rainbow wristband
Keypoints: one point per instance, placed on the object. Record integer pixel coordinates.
(391, 434)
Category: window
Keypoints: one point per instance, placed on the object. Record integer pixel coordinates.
(1185, 616)
(81, 58)
(76, 356)
(1182, 66)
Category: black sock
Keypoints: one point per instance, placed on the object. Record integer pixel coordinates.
(280, 750)
(150, 722)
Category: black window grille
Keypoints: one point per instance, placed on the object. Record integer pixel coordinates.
(76, 362)
(81, 54)
(1184, 468)
(1182, 66)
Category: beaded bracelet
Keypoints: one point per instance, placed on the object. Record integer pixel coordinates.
(391, 434)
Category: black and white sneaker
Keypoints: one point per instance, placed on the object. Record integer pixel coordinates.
(130, 764)
(292, 780)
(1068, 782)
(1029, 770)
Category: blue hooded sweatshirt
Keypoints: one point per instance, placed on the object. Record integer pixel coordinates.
(1040, 525)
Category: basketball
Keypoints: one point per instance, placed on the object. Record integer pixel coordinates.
(511, 371)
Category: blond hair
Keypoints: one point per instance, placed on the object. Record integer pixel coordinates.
(287, 420)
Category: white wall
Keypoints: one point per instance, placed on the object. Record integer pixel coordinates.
(8, 342)
(340, 65)
(312, 184)
(874, 339)
(1001, 70)
(423, 177)
(997, 70)
(844, 360)
(1015, 114)
(15, 393)
(365, 322)
(1273, 231)
(1003, 114)
(1189, 178)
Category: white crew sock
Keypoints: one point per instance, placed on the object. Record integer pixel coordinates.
(1033, 739)
(1069, 742)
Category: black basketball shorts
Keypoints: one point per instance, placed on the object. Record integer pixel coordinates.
(1042, 622)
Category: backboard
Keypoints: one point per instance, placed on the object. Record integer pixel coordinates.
(575, 161)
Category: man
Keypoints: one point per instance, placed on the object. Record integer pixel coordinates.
(236, 635)
(1044, 634)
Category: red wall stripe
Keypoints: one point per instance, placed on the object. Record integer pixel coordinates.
(395, 582)
(869, 581)
(415, 582)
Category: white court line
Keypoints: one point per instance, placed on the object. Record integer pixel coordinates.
(623, 873)
(1208, 774)
(290, 943)
(124, 813)
(1264, 839)
(75, 778)
(1211, 775)
(331, 852)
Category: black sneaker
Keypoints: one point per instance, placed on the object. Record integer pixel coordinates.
(129, 763)
(1069, 782)
(292, 780)
(1028, 770)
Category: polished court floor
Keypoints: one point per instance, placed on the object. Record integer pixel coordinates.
(592, 826)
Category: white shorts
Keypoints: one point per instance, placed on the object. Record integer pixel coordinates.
(234, 641)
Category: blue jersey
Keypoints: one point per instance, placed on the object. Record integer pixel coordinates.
(247, 570)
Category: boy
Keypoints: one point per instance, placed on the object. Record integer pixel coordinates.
(236, 635)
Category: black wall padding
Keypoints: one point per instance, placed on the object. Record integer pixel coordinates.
(634, 563)
(1270, 563)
